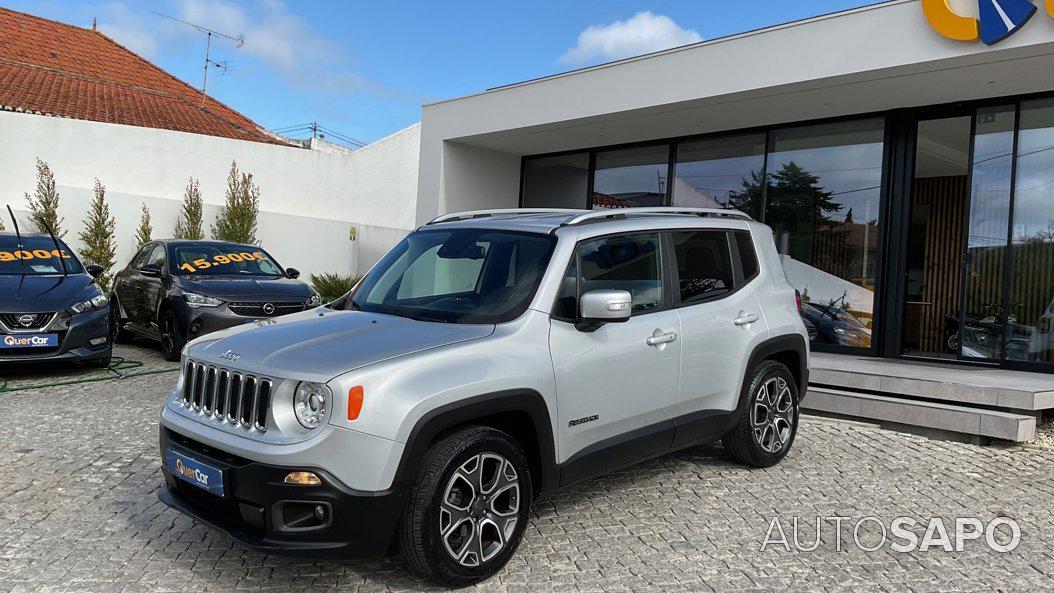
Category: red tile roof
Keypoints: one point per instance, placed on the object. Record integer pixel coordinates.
(56, 69)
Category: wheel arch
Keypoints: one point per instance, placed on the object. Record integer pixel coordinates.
(521, 413)
(791, 350)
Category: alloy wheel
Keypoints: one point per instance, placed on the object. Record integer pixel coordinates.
(479, 509)
(773, 415)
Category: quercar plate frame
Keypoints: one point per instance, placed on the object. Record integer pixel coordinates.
(207, 477)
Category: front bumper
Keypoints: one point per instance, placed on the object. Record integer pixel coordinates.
(199, 321)
(256, 505)
(74, 341)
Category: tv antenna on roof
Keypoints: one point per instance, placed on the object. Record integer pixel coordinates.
(223, 65)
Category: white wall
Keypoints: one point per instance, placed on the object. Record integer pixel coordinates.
(309, 199)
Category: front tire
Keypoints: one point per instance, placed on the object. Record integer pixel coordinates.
(118, 334)
(766, 431)
(468, 509)
(172, 339)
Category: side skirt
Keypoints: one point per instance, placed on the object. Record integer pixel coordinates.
(646, 443)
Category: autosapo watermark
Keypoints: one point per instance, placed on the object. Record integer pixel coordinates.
(901, 534)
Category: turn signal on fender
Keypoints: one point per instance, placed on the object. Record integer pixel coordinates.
(354, 402)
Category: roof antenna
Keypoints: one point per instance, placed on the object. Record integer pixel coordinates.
(223, 65)
(18, 234)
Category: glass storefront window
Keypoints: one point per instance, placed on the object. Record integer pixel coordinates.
(1031, 335)
(720, 172)
(822, 199)
(631, 177)
(556, 181)
(983, 317)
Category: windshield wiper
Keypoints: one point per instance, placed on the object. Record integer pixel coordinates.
(18, 234)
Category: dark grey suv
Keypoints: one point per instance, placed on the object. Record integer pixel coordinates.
(175, 290)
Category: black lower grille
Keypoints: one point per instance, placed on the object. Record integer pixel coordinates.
(265, 309)
(226, 508)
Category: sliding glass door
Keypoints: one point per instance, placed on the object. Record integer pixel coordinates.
(980, 237)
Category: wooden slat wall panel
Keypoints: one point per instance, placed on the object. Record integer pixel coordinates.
(946, 199)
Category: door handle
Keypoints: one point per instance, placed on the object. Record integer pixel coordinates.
(660, 339)
(745, 319)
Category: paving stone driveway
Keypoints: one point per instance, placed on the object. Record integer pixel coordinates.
(79, 472)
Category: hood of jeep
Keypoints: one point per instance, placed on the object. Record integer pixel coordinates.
(321, 344)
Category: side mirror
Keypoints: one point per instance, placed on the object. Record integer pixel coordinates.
(604, 306)
(292, 273)
(94, 270)
(151, 270)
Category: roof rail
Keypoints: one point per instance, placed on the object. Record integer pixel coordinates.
(622, 213)
(456, 216)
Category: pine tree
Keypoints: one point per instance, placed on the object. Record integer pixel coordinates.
(142, 234)
(44, 203)
(98, 236)
(237, 219)
(188, 225)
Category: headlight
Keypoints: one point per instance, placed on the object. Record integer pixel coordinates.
(309, 403)
(92, 304)
(315, 300)
(200, 300)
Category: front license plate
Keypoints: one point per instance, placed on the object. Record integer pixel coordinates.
(191, 470)
(30, 340)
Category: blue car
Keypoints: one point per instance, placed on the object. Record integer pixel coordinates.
(51, 309)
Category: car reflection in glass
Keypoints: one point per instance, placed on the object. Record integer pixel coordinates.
(835, 325)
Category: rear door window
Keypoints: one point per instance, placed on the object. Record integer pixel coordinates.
(704, 265)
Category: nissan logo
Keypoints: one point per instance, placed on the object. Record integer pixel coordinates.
(27, 320)
(268, 309)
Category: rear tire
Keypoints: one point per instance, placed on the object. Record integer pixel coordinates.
(172, 339)
(767, 429)
(468, 509)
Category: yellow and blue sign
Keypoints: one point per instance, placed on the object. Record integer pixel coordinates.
(997, 19)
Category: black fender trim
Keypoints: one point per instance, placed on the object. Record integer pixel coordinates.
(769, 348)
(481, 408)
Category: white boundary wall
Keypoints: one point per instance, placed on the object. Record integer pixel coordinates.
(309, 199)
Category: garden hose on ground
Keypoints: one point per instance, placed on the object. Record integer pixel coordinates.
(117, 370)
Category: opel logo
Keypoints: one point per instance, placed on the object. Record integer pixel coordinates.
(268, 309)
(27, 320)
(230, 355)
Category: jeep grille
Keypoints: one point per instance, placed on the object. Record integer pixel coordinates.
(226, 396)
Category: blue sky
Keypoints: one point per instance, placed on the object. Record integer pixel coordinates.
(365, 68)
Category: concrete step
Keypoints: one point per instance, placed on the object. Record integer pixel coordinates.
(958, 384)
(971, 421)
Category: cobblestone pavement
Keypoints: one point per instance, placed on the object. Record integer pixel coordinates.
(79, 473)
(141, 356)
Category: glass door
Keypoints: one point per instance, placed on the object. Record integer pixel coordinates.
(958, 236)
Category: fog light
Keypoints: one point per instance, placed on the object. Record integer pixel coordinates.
(97, 341)
(320, 513)
(303, 479)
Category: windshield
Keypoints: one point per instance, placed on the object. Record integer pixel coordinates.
(222, 259)
(36, 255)
(457, 276)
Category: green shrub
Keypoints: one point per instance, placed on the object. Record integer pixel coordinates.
(44, 203)
(98, 236)
(332, 286)
(237, 219)
(145, 229)
(188, 225)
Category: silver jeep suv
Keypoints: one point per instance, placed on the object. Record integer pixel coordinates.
(489, 359)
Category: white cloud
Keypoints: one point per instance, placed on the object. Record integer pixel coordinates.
(644, 32)
(127, 28)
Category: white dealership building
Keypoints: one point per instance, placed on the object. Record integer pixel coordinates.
(903, 154)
